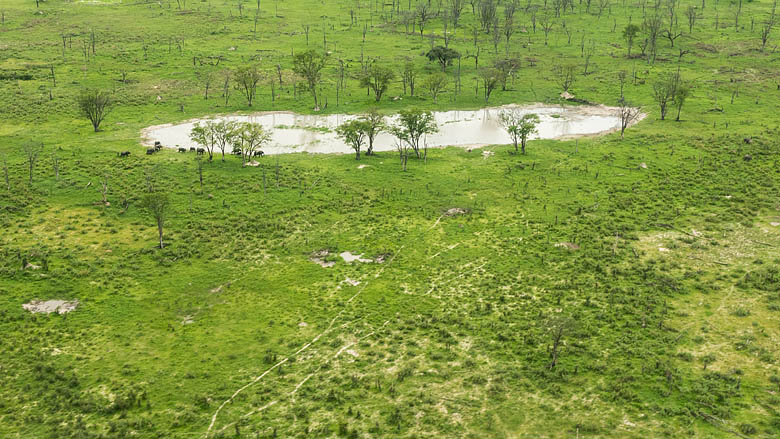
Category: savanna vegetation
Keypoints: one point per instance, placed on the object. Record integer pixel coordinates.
(619, 286)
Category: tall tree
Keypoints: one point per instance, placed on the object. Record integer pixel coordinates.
(249, 137)
(353, 133)
(224, 133)
(519, 126)
(95, 105)
(247, 78)
(375, 124)
(435, 83)
(412, 124)
(309, 65)
(490, 79)
(158, 204)
(681, 93)
(203, 135)
(409, 75)
(377, 78)
(664, 91)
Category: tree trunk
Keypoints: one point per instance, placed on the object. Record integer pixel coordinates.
(160, 232)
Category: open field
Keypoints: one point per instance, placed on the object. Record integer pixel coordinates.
(596, 287)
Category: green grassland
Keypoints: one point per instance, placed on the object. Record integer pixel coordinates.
(664, 278)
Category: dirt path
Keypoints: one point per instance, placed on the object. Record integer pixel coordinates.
(307, 345)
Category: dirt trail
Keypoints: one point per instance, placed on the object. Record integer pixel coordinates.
(307, 345)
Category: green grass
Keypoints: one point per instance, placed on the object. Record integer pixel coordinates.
(450, 335)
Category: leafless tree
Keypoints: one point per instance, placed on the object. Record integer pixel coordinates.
(31, 150)
(627, 113)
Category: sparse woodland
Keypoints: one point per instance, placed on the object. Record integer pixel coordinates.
(616, 286)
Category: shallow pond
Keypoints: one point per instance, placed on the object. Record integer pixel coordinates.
(316, 133)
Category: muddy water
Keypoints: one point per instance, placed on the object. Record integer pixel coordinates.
(316, 134)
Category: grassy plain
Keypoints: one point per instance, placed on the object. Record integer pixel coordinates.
(664, 277)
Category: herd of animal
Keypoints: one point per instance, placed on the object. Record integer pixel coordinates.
(200, 151)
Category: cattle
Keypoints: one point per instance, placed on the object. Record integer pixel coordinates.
(182, 149)
(150, 151)
(124, 154)
(200, 151)
(748, 140)
(259, 153)
(192, 149)
(237, 152)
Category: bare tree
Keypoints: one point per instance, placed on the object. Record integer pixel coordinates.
(557, 327)
(435, 83)
(547, 25)
(692, 15)
(95, 105)
(104, 188)
(424, 14)
(409, 75)
(766, 27)
(627, 113)
(5, 173)
(490, 77)
(246, 79)
(565, 74)
(199, 167)
(31, 150)
(664, 91)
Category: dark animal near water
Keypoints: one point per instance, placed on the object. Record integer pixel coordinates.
(182, 149)
(124, 154)
(192, 149)
(150, 151)
(157, 146)
(200, 151)
(259, 153)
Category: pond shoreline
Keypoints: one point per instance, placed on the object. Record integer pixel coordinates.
(314, 133)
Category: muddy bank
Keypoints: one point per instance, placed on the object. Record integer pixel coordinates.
(293, 132)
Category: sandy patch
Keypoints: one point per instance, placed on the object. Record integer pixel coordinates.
(50, 306)
(349, 258)
(568, 245)
(454, 211)
(318, 257)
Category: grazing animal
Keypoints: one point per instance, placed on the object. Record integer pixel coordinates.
(748, 140)
(124, 154)
(200, 151)
(182, 149)
(192, 149)
(747, 157)
(150, 151)
(157, 143)
(259, 153)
